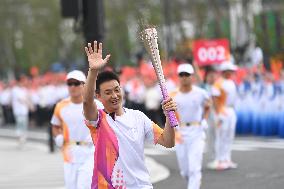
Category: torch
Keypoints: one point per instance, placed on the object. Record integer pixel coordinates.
(149, 37)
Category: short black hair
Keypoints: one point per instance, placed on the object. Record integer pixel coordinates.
(105, 76)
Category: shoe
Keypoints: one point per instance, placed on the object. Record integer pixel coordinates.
(222, 166)
(232, 165)
(218, 165)
(212, 165)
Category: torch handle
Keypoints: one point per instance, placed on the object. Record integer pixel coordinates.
(171, 114)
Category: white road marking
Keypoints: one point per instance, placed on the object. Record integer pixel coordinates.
(239, 145)
(27, 175)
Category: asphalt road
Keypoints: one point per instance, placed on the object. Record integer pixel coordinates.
(260, 160)
(261, 166)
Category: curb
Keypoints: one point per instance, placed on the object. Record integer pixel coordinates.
(39, 136)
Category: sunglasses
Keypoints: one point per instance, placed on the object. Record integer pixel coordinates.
(74, 83)
(182, 74)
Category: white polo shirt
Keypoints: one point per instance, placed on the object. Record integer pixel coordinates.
(70, 117)
(190, 105)
(230, 88)
(119, 156)
(20, 98)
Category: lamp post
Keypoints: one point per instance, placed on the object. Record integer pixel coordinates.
(93, 20)
(168, 28)
(88, 16)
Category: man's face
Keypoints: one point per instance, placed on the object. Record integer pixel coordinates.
(211, 77)
(184, 78)
(110, 95)
(75, 87)
(227, 74)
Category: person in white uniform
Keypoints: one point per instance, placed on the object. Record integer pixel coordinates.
(209, 79)
(5, 102)
(192, 110)
(224, 104)
(72, 136)
(119, 133)
(21, 105)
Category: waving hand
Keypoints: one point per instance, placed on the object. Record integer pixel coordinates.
(95, 59)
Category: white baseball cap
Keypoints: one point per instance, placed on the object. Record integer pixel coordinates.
(76, 74)
(187, 68)
(228, 66)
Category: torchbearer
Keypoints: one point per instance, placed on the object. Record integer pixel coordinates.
(119, 133)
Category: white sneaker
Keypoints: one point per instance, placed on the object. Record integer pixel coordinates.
(232, 165)
(212, 165)
(217, 165)
(223, 166)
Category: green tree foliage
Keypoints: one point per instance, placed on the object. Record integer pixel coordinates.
(122, 26)
(29, 33)
(268, 27)
(32, 32)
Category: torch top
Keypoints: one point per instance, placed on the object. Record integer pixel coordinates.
(149, 33)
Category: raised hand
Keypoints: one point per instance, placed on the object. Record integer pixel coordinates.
(95, 59)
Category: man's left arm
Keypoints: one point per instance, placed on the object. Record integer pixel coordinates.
(206, 111)
(206, 108)
(167, 139)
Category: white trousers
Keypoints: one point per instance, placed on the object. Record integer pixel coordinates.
(189, 156)
(22, 122)
(224, 136)
(79, 175)
(210, 139)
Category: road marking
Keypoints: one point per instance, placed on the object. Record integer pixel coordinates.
(26, 175)
(239, 145)
(251, 145)
(158, 172)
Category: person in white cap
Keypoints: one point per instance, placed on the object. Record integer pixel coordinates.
(72, 136)
(192, 110)
(226, 117)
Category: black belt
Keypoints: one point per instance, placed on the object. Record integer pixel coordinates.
(190, 124)
(79, 143)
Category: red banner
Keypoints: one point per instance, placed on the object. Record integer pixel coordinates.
(208, 52)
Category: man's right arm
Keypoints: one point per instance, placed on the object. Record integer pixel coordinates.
(89, 105)
(96, 62)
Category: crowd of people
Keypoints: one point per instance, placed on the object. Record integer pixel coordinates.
(263, 112)
(142, 92)
(29, 102)
(259, 90)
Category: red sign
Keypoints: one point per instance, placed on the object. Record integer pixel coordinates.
(208, 52)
